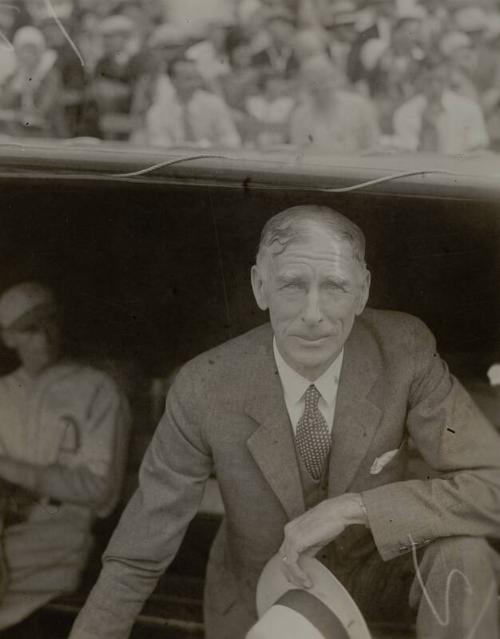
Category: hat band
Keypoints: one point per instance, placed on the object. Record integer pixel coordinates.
(316, 612)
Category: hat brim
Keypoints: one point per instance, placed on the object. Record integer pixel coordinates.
(326, 587)
(37, 316)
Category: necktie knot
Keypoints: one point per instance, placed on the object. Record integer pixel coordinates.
(312, 397)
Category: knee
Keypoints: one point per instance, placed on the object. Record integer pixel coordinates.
(461, 552)
(469, 557)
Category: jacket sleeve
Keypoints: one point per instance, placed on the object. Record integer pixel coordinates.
(456, 440)
(171, 482)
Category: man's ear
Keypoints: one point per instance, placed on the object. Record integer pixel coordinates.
(259, 288)
(364, 292)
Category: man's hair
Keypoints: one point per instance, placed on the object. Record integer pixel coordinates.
(294, 224)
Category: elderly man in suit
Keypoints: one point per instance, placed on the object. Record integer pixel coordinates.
(306, 422)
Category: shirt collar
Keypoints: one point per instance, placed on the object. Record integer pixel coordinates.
(294, 385)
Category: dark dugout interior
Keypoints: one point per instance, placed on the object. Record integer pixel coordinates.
(155, 273)
(151, 274)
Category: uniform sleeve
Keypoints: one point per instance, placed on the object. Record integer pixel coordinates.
(92, 459)
(456, 440)
(171, 481)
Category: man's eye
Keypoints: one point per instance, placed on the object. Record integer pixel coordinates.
(334, 286)
(292, 286)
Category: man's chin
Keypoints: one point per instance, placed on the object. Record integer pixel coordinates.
(310, 361)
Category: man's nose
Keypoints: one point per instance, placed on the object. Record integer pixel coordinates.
(311, 312)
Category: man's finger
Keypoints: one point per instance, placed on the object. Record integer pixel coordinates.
(293, 571)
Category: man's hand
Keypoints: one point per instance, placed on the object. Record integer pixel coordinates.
(313, 530)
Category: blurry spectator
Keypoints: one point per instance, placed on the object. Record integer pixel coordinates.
(472, 21)
(438, 119)
(191, 114)
(271, 109)
(210, 55)
(375, 28)
(309, 43)
(330, 118)
(80, 113)
(436, 23)
(13, 16)
(241, 81)
(392, 79)
(141, 19)
(198, 13)
(63, 442)
(278, 55)
(30, 96)
(89, 40)
(490, 95)
(167, 42)
(339, 22)
(462, 58)
(7, 55)
(116, 74)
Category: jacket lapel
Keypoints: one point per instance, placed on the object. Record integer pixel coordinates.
(356, 416)
(272, 444)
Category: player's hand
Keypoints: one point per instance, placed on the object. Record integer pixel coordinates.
(313, 530)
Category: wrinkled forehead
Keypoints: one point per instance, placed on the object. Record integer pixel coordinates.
(316, 247)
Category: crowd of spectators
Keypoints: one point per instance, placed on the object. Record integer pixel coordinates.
(335, 76)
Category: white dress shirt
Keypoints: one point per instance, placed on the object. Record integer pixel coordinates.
(460, 126)
(295, 386)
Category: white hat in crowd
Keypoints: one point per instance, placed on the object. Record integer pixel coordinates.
(454, 41)
(324, 611)
(29, 36)
(115, 25)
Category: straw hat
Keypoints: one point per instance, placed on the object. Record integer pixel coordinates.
(324, 611)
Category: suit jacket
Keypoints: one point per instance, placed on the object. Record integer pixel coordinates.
(226, 412)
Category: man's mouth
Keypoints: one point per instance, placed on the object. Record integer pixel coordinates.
(312, 339)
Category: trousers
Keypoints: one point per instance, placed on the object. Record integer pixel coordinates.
(448, 589)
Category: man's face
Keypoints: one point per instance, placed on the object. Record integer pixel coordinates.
(115, 43)
(186, 79)
(344, 33)
(281, 31)
(28, 56)
(320, 80)
(434, 82)
(37, 343)
(313, 291)
(409, 34)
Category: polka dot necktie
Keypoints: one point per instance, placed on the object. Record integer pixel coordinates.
(312, 437)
